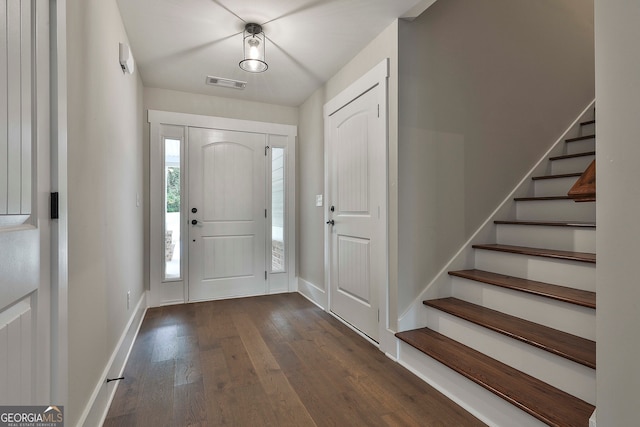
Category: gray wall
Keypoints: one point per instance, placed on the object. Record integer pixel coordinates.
(485, 88)
(618, 210)
(105, 175)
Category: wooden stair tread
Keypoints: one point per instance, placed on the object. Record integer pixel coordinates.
(572, 347)
(571, 156)
(547, 290)
(563, 175)
(546, 253)
(579, 224)
(533, 199)
(580, 138)
(548, 404)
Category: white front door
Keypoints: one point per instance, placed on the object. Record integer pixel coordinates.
(357, 208)
(226, 211)
(24, 195)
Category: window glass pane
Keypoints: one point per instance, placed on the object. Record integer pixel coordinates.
(277, 210)
(172, 209)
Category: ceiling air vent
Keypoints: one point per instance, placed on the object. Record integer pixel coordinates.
(219, 81)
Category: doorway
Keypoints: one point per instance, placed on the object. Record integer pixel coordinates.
(222, 220)
(356, 218)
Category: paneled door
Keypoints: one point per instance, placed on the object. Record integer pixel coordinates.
(25, 160)
(356, 200)
(227, 193)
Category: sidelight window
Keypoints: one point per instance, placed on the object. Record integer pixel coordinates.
(278, 210)
(172, 209)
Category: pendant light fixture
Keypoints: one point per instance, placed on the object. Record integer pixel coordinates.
(254, 53)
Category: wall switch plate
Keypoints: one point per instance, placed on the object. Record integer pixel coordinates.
(319, 200)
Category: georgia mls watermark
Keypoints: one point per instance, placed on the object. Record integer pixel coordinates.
(31, 416)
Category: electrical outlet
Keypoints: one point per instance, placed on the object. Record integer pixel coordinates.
(128, 299)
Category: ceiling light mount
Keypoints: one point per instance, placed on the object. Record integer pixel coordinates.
(253, 42)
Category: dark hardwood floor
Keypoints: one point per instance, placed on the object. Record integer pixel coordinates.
(267, 361)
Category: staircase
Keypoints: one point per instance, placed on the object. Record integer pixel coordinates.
(521, 323)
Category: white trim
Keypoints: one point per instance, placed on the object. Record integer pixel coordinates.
(175, 292)
(312, 301)
(59, 228)
(414, 316)
(313, 293)
(222, 123)
(377, 76)
(97, 408)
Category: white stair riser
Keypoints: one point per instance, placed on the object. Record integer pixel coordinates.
(588, 129)
(576, 239)
(555, 210)
(571, 377)
(579, 275)
(553, 187)
(477, 400)
(570, 318)
(581, 146)
(571, 165)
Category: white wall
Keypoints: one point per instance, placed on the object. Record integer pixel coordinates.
(311, 154)
(618, 210)
(105, 175)
(485, 89)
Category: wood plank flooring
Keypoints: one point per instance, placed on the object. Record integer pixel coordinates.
(267, 361)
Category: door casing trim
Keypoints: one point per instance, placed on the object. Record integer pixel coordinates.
(166, 292)
(377, 76)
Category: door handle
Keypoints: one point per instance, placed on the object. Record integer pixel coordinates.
(331, 222)
(194, 222)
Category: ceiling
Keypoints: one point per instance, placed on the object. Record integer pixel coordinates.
(178, 43)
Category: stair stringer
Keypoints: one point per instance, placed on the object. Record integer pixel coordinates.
(415, 316)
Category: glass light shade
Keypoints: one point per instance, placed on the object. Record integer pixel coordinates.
(254, 49)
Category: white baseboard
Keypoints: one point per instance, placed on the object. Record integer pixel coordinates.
(96, 410)
(313, 293)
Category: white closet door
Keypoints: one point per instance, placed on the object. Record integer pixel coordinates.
(357, 172)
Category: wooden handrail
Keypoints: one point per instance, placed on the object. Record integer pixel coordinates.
(584, 190)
